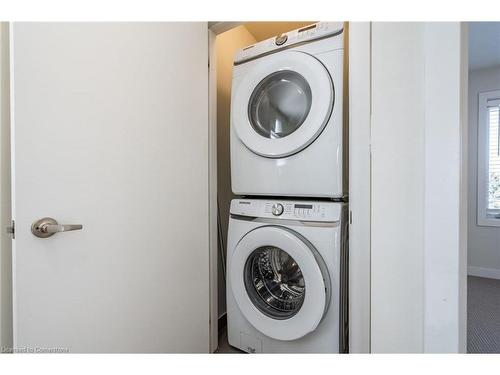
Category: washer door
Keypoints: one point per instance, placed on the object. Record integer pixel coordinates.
(279, 282)
(282, 104)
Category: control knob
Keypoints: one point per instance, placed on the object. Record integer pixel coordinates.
(281, 39)
(277, 209)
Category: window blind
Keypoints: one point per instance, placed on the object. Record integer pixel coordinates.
(493, 158)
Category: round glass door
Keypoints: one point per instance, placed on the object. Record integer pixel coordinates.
(279, 104)
(274, 282)
(279, 282)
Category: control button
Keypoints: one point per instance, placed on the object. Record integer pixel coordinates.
(281, 39)
(277, 209)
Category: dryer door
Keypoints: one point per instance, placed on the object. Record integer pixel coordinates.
(282, 104)
(279, 282)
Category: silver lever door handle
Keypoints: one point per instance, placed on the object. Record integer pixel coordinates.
(54, 228)
(47, 227)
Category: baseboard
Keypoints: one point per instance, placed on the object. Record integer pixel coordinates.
(490, 273)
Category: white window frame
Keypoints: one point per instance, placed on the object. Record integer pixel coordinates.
(484, 217)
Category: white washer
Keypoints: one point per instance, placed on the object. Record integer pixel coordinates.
(287, 276)
(287, 115)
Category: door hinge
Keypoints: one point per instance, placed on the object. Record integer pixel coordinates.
(11, 229)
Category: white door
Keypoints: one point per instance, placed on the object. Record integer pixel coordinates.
(281, 103)
(280, 282)
(110, 131)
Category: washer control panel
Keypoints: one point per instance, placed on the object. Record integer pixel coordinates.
(287, 209)
(287, 40)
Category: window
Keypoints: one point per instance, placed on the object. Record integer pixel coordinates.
(488, 187)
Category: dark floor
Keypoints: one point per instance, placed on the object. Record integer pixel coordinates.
(224, 347)
(483, 315)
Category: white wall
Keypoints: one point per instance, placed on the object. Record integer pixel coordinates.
(398, 111)
(5, 206)
(359, 186)
(226, 45)
(445, 210)
(483, 242)
(417, 288)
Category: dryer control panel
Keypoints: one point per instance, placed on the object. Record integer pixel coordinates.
(290, 39)
(287, 209)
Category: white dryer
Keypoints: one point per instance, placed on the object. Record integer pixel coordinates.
(287, 135)
(287, 276)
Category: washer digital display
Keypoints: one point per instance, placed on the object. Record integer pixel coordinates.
(308, 206)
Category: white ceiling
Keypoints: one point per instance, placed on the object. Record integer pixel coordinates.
(484, 45)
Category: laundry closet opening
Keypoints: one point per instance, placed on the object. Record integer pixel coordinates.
(226, 45)
(290, 100)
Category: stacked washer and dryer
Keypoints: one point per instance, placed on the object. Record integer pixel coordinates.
(287, 240)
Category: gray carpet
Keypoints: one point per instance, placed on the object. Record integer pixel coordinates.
(483, 315)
